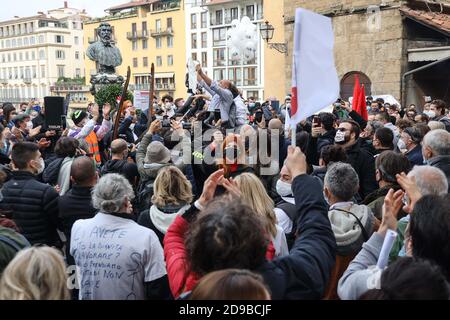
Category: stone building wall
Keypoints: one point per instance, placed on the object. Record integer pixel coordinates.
(377, 52)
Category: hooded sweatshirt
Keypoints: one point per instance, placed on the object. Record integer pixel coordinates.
(123, 167)
(348, 234)
(160, 219)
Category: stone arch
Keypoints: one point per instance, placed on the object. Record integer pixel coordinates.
(348, 82)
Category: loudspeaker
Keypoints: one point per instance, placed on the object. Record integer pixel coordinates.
(54, 111)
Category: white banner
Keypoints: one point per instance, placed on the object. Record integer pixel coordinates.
(315, 83)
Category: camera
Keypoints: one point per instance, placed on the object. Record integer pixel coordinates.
(165, 123)
(258, 115)
(316, 121)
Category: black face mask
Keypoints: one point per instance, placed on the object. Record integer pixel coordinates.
(232, 153)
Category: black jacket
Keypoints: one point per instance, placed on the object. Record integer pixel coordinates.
(125, 131)
(364, 165)
(326, 139)
(443, 163)
(123, 167)
(141, 126)
(75, 204)
(4, 159)
(305, 272)
(33, 206)
(51, 172)
(367, 145)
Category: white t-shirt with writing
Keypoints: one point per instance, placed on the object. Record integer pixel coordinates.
(115, 257)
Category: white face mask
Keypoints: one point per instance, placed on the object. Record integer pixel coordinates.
(41, 166)
(340, 137)
(401, 144)
(430, 114)
(283, 188)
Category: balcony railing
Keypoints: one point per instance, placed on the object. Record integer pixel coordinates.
(141, 86)
(139, 34)
(227, 19)
(168, 5)
(165, 86)
(69, 88)
(162, 33)
(4, 81)
(27, 80)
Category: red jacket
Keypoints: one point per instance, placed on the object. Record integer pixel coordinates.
(181, 279)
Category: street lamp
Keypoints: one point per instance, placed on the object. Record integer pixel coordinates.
(267, 31)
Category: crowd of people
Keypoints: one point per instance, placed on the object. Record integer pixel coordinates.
(207, 199)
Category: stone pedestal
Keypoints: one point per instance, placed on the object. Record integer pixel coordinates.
(102, 79)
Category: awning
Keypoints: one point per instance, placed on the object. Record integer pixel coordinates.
(428, 54)
(164, 75)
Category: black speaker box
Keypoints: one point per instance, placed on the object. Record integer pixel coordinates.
(54, 112)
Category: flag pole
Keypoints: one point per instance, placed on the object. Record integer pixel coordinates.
(293, 134)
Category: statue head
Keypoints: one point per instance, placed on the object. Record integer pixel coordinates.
(105, 32)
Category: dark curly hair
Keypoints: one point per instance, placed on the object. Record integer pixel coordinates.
(333, 153)
(226, 235)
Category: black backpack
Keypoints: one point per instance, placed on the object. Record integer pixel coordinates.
(144, 195)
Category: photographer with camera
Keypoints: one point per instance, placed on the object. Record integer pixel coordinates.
(127, 125)
(322, 134)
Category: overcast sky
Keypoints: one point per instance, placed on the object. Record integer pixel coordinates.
(24, 8)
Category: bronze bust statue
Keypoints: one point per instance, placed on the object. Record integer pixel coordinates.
(104, 52)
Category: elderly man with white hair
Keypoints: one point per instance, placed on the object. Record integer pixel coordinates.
(429, 181)
(117, 258)
(360, 276)
(436, 151)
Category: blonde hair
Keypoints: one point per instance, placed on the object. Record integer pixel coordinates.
(255, 196)
(171, 187)
(36, 273)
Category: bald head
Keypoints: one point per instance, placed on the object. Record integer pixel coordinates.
(83, 172)
(275, 124)
(118, 146)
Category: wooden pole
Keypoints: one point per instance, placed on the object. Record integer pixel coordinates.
(151, 93)
(120, 108)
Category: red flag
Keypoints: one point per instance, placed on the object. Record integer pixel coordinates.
(356, 93)
(362, 104)
(294, 101)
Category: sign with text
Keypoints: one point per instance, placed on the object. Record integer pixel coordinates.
(141, 99)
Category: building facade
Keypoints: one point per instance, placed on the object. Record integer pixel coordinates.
(38, 51)
(146, 32)
(382, 43)
(248, 76)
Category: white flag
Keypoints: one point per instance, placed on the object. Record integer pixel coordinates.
(192, 74)
(315, 84)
